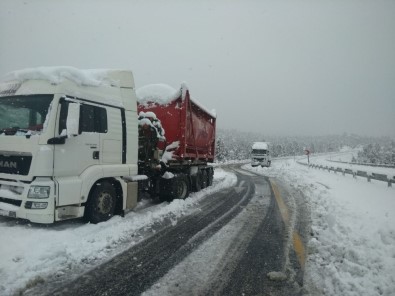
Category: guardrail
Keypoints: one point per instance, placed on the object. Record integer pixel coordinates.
(369, 176)
(365, 164)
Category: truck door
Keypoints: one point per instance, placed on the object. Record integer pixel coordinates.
(79, 151)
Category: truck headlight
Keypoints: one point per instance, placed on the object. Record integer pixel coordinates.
(39, 192)
(36, 205)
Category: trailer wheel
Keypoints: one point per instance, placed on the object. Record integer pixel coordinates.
(197, 182)
(175, 188)
(101, 203)
(204, 179)
(181, 187)
(210, 177)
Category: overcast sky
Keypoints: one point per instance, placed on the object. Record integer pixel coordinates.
(275, 67)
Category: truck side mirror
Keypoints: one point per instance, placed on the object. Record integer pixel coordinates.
(73, 119)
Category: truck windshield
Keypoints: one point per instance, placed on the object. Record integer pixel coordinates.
(20, 115)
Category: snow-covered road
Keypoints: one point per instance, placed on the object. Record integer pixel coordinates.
(350, 249)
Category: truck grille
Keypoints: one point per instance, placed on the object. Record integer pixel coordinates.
(15, 164)
(11, 201)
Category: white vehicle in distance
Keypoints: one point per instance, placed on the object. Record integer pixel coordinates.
(260, 154)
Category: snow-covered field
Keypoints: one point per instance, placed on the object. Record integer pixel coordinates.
(346, 156)
(351, 250)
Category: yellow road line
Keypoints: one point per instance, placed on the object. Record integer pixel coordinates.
(299, 248)
(296, 239)
(283, 208)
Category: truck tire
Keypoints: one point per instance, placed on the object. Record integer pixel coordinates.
(181, 187)
(197, 182)
(210, 177)
(204, 179)
(176, 188)
(101, 203)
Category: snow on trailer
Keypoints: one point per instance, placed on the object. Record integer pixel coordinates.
(184, 120)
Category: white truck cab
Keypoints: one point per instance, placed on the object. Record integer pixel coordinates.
(68, 144)
(260, 154)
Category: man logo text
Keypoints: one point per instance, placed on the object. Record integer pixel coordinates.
(8, 164)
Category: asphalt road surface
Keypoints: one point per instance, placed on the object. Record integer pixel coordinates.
(245, 240)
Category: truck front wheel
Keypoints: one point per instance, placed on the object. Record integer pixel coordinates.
(101, 203)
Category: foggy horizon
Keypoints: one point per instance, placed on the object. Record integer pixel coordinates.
(277, 68)
(263, 136)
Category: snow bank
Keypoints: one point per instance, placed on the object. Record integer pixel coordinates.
(351, 249)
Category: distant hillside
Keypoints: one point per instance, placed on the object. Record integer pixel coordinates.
(236, 145)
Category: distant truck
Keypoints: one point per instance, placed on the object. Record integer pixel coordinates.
(77, 143)
(260, 154)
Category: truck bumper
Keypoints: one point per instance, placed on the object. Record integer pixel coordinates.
(260, 161)
(15, 203)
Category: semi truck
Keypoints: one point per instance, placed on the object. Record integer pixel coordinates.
(79, 144)
(260, 154)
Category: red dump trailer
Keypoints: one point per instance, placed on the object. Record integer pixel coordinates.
(188, 122)
(189, 141)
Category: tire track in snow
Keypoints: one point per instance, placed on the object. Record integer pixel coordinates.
(135, 270)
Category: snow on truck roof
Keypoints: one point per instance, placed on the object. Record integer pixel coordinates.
(163, 94)
(260, 145)
(88, 77)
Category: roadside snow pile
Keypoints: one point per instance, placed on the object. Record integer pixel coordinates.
(31, 254)
(351, 251)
